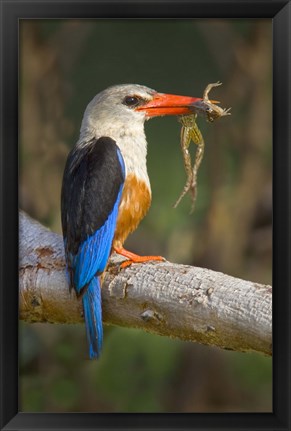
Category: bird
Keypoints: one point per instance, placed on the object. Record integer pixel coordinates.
(106, 189)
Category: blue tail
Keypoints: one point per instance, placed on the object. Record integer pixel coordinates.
(93, 317)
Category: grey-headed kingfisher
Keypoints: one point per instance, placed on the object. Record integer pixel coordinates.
(106, 189)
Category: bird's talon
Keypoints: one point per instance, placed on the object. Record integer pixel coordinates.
(141, 259)
(125, 264)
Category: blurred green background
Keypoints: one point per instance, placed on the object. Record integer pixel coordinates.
(63, 64)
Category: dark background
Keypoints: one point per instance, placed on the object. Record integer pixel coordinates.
(63, 64)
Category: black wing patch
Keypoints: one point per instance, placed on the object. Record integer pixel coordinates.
(91, 183)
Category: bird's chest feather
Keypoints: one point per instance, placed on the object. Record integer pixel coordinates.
(134, 204)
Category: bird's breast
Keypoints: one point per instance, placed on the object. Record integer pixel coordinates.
(134, 204)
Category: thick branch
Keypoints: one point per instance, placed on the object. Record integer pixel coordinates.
(185, 302)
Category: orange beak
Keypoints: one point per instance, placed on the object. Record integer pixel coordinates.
(168, 104)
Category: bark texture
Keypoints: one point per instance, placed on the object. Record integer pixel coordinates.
(180, 301)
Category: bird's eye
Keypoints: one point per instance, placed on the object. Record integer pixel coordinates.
(131, 101)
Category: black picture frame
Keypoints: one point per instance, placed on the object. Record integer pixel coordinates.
(13, 11)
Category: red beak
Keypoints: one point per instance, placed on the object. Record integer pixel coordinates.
(168, 104)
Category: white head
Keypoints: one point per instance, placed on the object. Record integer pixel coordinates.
(113, 111)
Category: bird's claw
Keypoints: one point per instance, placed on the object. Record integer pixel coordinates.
(135, 258)
(143, 259)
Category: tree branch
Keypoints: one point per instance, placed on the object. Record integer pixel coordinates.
(180, 301)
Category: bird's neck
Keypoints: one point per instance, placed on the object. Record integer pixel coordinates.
(133, 147)
(132, 143)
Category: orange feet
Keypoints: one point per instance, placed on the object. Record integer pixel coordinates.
(135, 258)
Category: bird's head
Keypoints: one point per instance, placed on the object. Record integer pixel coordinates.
(128, 106)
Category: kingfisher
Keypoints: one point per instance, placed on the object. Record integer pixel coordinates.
(106, 190)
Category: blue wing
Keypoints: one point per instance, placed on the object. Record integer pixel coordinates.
(91, 193)
(93, 253)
